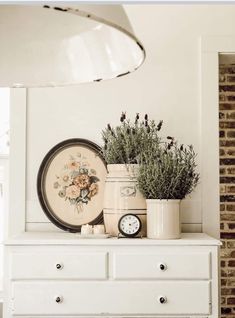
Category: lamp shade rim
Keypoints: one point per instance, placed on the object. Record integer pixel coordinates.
(107, 49)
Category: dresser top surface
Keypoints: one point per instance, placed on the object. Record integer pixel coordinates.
(46, 238)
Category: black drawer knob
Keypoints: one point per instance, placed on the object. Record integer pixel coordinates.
(58, 299)
(162, 299)
(59, 266)
(162, 267)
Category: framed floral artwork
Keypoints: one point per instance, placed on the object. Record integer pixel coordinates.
(70, 184)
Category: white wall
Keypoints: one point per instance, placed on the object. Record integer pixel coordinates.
(167, 87)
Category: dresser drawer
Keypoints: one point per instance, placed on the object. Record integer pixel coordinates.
(105, 298)
(59, 266)
(162, 266)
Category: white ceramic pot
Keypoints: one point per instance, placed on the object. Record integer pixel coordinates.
(121, 196)
(163, 219)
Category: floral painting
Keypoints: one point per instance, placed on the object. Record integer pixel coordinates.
(71, 182)
(77, 182)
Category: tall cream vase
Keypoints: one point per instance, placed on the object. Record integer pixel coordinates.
(163, 219)
(121, 196)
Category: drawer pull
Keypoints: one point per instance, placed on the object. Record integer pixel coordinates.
(162, 299)
(162, 267)
(59, 299)
(59, 266)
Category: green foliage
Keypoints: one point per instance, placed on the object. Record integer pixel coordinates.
(124, 143)
(167, 171)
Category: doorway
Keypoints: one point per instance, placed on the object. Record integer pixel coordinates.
(227, 180)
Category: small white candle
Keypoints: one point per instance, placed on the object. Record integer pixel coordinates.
(99, 229)
(86, 229)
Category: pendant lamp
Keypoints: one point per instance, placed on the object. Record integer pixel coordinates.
(47, 45)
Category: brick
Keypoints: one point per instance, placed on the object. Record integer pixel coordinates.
(227, 161)
(221, 115)
(231, 170)
(231, 273)
(228, 69)
(221, 134)
(222, 171)
(230, 189)
(223, 273)
(230, 98)
(222, 78)
(222, 207)
(227, 291)
(227, 143)
(222, 226)
(227, 179)
(222, 300)
(226, 88)
(230, 207)
(222, 188)
(227, 217)
(222, 97)
(231, 244)
(226, 106)
(231, 301)
(222, 264)
(225, 235)
(224, 245)
(225, 310)
(222, 69)
(225, 253)
(227, 125)
(222, 152)
(229, 78)
(230, 134)
(227, 198)
(223, 282)
(230, 115)
(232, 315)
(230, 282)
(231, 152)
(231, 263)
(231, 226)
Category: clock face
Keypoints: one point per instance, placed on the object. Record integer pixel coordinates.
(129, 225)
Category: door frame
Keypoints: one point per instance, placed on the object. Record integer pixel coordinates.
(211, 47)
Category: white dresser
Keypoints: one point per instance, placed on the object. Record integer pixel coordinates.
(60, 275)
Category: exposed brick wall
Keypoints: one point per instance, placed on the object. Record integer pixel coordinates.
(227, 188)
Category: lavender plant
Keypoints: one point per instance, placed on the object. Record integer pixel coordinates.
(167, 171)
(124, 143)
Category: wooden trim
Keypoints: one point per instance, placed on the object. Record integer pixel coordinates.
(17, 162)
(4, 162)
(211, 46)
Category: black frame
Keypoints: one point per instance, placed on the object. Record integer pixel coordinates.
(41, 178)
(129, 235)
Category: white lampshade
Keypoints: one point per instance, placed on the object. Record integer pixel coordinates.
(47, 45)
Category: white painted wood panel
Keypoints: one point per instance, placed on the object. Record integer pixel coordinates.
(43, 265)
(104, 298)
(190, 212)
(183, 265)
(49, 227)
(15, 220)
(49, 240)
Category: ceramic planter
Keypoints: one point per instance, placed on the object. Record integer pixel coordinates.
(163, 219)
(121, 196)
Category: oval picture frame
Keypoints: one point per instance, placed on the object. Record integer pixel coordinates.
(70, 184)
